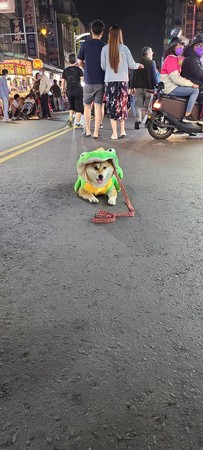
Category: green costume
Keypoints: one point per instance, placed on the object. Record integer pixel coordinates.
(99, 155)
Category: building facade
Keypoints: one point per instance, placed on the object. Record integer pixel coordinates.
(185, 16)
(51, 27)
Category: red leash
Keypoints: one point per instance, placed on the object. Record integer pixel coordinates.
(108, 217)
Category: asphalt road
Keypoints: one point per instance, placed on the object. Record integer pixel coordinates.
(101, 325)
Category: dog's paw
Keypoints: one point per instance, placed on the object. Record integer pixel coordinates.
(112, 201)
(94, 200)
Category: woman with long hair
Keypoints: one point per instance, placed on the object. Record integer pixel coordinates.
(116, 59)
(174, 83)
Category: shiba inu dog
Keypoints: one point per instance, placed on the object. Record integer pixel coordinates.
(96, 175)
(98, 181)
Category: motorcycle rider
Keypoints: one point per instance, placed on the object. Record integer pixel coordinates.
(192, 68)
(174, 83)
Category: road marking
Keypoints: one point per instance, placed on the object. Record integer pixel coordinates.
(9, 150)
(37, 144)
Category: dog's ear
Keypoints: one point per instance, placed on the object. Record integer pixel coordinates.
(82, 171)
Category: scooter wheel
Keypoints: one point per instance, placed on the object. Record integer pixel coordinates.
(158, 128)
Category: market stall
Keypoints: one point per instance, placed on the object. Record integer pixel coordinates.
(20, 76)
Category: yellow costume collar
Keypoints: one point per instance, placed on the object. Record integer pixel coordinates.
(100, 190)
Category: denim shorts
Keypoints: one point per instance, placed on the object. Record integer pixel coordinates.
(93, 93)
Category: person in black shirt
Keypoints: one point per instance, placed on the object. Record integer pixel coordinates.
(71, 80)
(56, 91)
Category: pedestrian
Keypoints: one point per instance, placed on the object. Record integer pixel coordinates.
(143, 84)
(158, 73)
(56, 91)
(71, 86)
(116, 60)
(44, 88)
(131, 97)
(62, 99)
(36, 84)
(15, 107)
(89, 59)
(4, 94)
(192, 68)
(174, 83)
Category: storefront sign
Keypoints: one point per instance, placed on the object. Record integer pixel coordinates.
(24, 62)
(199, 20)
(17, 27)
(42, 48)
(37, 64)
(52, 41)
(75, 27)
(13, 69)
(48, 18)
(7, 6)
(7, 66)
(29, 14)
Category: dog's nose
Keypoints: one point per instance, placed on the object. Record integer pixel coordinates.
(100, 177)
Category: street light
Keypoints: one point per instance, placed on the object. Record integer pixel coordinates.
(44, 31)
(77, 37)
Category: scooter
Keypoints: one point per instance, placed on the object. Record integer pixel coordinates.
(167, 113)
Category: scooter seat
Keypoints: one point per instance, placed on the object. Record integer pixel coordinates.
(174, 97)
(179, 99)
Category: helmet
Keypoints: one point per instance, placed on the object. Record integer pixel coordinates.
(198, 39)
(174, 41)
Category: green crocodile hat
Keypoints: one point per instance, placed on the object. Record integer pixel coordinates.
(98, 155)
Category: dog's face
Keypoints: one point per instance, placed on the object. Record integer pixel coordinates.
(99, 173)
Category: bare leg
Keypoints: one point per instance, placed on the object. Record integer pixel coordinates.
(114, 128)
(77, 117)
(102, 113)
(122, 127)
(70, 119)
(87, 118)
(98, 115)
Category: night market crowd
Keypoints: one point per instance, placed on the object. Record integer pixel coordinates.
(104, 78)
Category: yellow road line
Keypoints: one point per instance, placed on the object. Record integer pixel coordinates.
(37, 144)
(9, 150)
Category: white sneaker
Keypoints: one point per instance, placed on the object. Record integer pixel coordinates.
(6, 120)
